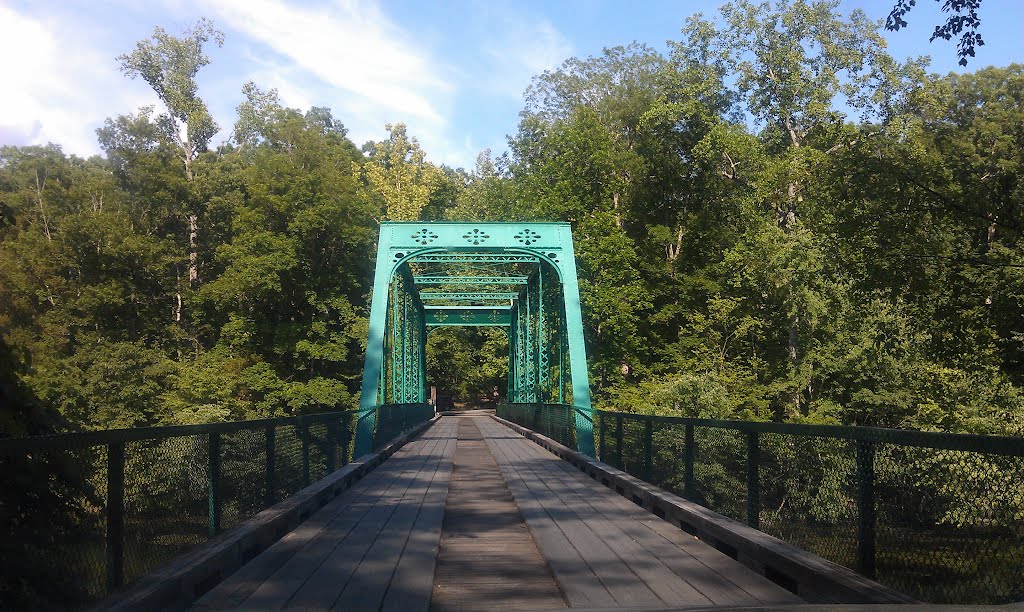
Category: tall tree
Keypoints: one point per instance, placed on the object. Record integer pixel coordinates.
(792, 62)
(169, 64)
(400, 176)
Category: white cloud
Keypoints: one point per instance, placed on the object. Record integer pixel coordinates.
(349, 46)
(523, 50)
(57, 88)
(349, 55)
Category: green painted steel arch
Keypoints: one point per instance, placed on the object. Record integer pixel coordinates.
(547, 354)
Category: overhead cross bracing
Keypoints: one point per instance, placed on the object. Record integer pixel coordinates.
(518, 277)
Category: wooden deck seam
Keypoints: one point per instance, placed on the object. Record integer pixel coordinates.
(575, 575)
(367, 586)
(668, 585)
(356, 529)
(412, 459)
(414, 571)
(485, 535)
(235, 589)
(614, 572)
(718, 579)
(668, 541)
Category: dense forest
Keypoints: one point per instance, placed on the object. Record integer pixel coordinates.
(775, 219)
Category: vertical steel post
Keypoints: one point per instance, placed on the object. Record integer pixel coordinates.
(270, 484)
(561, 359)
(866, 508)
(602, 426)
(304, 429)
(753, 481)
(346, 439)
(618, 440)
(542, 341)
(214, 497)
(406, 333)
(332, 447)
(689, 490)
(115, 516)
(577, 345)
(423, 356)
(510, 396)
(529, 356)
(648, 448)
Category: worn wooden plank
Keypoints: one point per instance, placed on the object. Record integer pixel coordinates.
(711, 572)
(281, 586)
(614, 573)
(231, 592)
(579, 584)
(369, 582)
(413, 579)
(488, 559)
(328, 579)
(649, 569)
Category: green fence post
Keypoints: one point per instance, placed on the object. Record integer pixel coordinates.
(213, 491)
(866, 508)
(332, 447)
(270, 486)
(346, 439)
(601, 453)
(378, 419)
(648, 448)
(688, 450)
(567, 428)
(753, 482)
(115, 516)
(305, 452)
(618, 440)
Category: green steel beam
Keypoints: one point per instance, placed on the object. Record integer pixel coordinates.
(468, 296)
(492, 258)
(462, 316)
(470, 280)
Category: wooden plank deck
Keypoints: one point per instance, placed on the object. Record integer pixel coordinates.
(488, 559)
(383, 530)
(470, 516)
(608, 552)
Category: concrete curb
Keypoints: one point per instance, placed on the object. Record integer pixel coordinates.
(817, 580)
(182, 581)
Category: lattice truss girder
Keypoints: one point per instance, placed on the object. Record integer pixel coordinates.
(516, 276)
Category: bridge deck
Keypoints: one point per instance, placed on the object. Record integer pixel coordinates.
(441, 525)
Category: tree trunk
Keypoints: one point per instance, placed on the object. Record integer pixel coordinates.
(615, 208)
(794, 324)
(193, 255)
(40, 186)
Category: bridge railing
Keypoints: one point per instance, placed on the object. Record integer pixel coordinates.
(146, 495)
(556, 421)
(938, 516)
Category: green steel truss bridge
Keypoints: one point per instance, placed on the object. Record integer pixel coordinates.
(517, 276)
(545, 503)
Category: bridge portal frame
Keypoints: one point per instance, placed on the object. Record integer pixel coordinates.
(396, 298)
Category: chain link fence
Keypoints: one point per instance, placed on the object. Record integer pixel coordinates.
(118, 504)
(937, 516)
(556, 421)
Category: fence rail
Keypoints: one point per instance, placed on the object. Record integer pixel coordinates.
(144, 496)
(938, 516)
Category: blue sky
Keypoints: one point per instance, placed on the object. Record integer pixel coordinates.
(453, 71)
